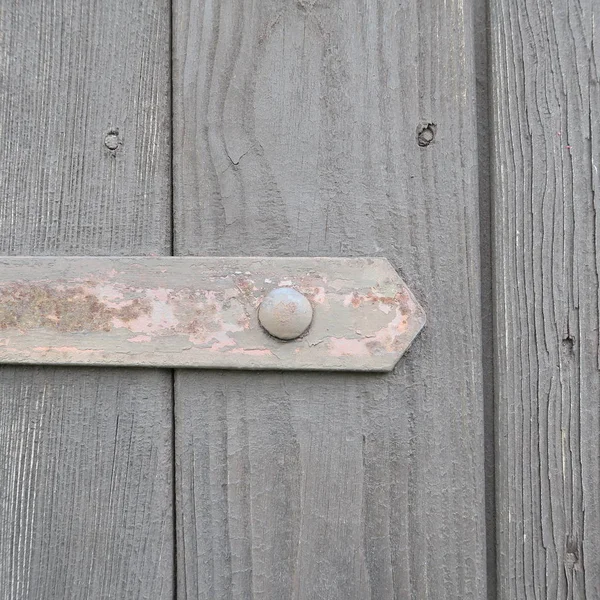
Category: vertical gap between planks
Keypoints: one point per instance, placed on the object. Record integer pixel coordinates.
(172, 225)
(173, 482)
(171, 130)
(481, 45)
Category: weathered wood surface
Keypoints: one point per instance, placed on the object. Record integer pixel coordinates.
(295, 133)
(78, 78)
(202, 312)
(85, 460)
(546, 133)
(85, 501)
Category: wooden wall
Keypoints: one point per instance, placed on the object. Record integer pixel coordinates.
(458, 139)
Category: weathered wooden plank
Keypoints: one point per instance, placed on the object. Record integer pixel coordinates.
(204, 312)
(546, 133)
(86, 484)
(305, 128)
(84, 122)
(85, 500)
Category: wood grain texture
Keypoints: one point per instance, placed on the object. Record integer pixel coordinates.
(295, 133)
(546, 132)
(86, 455)
(72, 72)
(86, 484)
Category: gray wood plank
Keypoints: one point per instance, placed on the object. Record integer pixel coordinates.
(85, 501)
(77, 79)
(296, 133)
(546, 133)
(86, 460)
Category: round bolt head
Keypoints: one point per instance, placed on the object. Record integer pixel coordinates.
(285, 313)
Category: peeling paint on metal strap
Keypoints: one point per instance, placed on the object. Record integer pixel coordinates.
(202, 312)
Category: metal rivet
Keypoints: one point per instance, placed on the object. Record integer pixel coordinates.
(285, 313)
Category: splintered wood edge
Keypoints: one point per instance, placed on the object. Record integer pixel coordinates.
(179, 312)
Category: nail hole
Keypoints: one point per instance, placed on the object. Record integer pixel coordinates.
(111, 140)
(426, 134)
(569, 343)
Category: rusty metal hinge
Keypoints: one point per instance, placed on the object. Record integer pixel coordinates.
(340, 314)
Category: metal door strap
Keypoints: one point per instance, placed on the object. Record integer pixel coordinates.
(327, 314)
